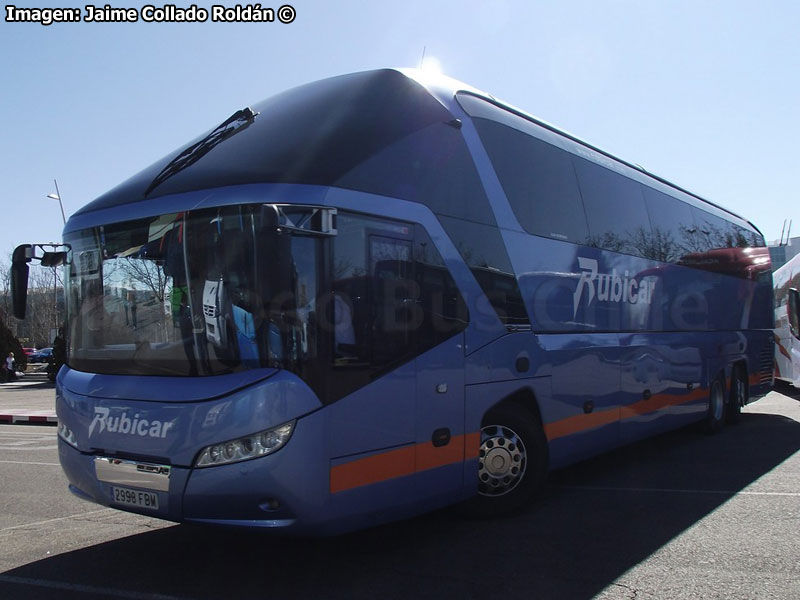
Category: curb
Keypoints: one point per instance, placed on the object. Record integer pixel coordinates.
(40, 419)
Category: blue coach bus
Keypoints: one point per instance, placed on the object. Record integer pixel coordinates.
(380, 294)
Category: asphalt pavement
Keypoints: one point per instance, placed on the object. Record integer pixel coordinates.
(684, 515)
(29, 399)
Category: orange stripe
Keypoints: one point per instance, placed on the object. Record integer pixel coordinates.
(582, 422)
(784, 351)
(402, 461)
(429, 456)
(659, 402)
(472, 445)
(422, 457)
(372, 469)
(579, 423)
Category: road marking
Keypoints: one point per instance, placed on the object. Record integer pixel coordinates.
(87, 589)
(26, 525)
(592, 488)
(13, 430)
(23, 444)
(27, 441)
(25, 462)
(9, 385)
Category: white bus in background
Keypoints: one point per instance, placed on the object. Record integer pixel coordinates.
(786, 282)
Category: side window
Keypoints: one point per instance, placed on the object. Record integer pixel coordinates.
(615, 209)
(742, 238)
(757, 240)
(673, 230)
(483, 249)
(432, 166)
(392, 299)
(443, 310)
(714, 232)
(373, 290)
(538, 180)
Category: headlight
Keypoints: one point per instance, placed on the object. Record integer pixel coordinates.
(251, 446)
(65, 433)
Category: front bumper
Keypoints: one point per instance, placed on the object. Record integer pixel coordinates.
(287, 490)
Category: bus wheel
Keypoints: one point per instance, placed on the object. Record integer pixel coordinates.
(738, 394)
(512, 462)
(715, 418)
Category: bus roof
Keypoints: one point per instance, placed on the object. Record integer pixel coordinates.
(447, 87)
(320, 119)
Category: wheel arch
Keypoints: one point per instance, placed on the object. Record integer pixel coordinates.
(523, 398)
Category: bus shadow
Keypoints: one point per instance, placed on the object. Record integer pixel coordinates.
(596, 521)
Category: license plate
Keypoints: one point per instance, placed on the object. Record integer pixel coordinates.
(137, 498)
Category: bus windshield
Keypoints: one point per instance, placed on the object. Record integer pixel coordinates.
(197, 293)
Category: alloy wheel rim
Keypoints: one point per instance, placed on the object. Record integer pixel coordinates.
(502, 460)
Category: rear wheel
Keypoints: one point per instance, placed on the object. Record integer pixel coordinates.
(738, 394)
(715, 417)
(512, 462)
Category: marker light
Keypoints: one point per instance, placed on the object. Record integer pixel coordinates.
(65, 433)
(251, 446)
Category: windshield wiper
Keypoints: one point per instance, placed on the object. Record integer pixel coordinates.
(238, 121)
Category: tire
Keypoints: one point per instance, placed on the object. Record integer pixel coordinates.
(717, 406)
(738, 394)
(512, 463)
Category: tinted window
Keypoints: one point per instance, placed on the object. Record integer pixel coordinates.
(713, 231)
(431, 166)
(673, 232)
(393, 298)
(742, 238)
(444, 312)
(371, 270)
(482, 248)
(615, 209)
(538, 180)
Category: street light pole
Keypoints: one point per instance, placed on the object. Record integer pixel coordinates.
(57, 196)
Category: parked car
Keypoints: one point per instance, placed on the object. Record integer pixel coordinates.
(29, 351)
(40, 356)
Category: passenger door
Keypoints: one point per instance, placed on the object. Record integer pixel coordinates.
(397, 384)
(371, 387)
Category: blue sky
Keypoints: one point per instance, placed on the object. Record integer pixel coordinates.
(705, 94)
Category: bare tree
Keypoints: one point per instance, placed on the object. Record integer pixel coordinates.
(5, 289)
(148, 273)
(45, 303)
(45, 306)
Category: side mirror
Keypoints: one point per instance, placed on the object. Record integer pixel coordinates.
(19, 270)
(300, 218)
(19, 279)
(54, 259)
